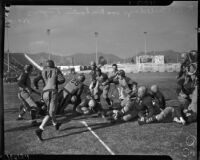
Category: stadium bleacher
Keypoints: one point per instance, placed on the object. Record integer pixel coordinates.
(17, 61)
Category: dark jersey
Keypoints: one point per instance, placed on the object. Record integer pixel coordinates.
(102, 79)
(24, 81)
(113, 76)
(159, 99)
(186, 87)
(93, 75)
(145, 105)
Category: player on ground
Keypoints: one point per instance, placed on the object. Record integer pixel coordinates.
(158, 97)
(125, 84)
(172, 113)
(24, 94)
(52, 77)
(102, 86)
(71, 93)
(128, 111)
(88, 105)
(144, 105)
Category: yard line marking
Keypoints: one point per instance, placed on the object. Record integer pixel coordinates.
(108, 149)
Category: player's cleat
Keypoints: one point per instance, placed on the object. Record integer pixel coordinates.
(141, 122)
(57, 126)
(19, 118)
(150, 120)
(38, 132)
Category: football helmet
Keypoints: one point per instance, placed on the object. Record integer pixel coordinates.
(142, 91)
(50, 63)
(81, 77)
(192, 69)
(92, 63)
(154, 88)
(98, 69)
(28, 67)
(121, 73)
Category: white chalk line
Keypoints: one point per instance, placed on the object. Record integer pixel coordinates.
(107, 148)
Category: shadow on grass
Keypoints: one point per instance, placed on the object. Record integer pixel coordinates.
(93, 127)
(21, 128)
(64, 119)
(29, 126)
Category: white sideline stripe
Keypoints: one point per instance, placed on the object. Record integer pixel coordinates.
(108, 149)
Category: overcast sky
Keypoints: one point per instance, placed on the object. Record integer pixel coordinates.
(121, 28)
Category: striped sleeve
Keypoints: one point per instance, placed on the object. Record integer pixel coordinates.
(60, 77)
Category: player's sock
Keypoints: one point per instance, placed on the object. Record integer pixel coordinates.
(33, 114)
(108, 101)
(34, 123)
(57, 126)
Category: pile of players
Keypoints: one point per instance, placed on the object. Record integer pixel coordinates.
(147, 105)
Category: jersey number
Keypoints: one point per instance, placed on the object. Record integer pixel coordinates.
(48, 74)
(75, 82)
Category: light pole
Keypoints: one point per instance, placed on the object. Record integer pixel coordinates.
(7, 25)
(48, 35)
(96, 37)
(145, 43)
(197, 31)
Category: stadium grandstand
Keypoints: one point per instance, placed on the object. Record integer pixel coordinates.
(16, 63)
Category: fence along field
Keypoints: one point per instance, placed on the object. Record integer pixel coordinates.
(126, 138)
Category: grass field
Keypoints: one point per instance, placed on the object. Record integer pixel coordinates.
(91, 135)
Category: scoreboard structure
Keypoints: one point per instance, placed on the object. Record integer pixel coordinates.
(158, 59)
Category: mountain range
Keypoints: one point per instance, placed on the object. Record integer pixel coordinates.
(85, 58)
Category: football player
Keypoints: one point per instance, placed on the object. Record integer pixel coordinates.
(158, 97)
(24, 94)
(52, 77)
(144, 105)
(71, 93)
(113, 75)
(128, 110)
(102, 86)
(188, 60)
(113, 78)
(186, 88)
(125, 84)
(172, 113)
(88, 105)
(93, 75)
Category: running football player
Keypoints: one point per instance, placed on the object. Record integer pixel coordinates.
(52, 77)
